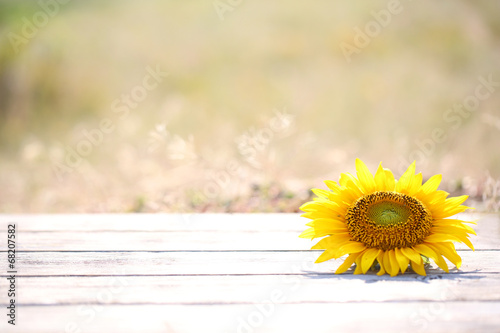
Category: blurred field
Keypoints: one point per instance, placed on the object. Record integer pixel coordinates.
(257, 107)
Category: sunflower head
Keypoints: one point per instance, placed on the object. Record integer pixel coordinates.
(394, 223)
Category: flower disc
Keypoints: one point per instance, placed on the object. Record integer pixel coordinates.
(388, 220)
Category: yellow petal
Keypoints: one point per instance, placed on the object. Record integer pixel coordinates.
(425, 250)
(380, 259)
(352, 189)
(430, 253)
(412, 254)
(448, 250)
(394, 263)
(326, 214)
(326, 255)
(415, 185)
(315, 206)
(455, 230)
(387, 262)
(455, 201)
(337, 207)
(451, 212)
(333, 241)
(345, 177)
(316, 215)
(347, 263)
(339, 251)
(349, 194)
(325, 243)
(367, 259)
(403, 261)
(434, 200)
(441, 263)
(418, 268)
(332, 186)
(410, 184)
(390, 181)
(380, 178)
(352, 247)
(309, 233)
(323, 208)
(438, 238)
(366, 181)
(358, 269)
(384, 179)
(406, 180)
(327, 222)
(455, 224)
(315, 232)
(321, 193)
(432, 184)
(451, 206)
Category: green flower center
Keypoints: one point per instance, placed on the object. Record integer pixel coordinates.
(388, 212)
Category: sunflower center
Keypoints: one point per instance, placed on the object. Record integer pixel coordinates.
(388, 220)
(388, 212)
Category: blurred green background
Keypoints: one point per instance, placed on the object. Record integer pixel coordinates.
(260, 102)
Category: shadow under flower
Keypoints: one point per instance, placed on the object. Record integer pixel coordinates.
(372, 277)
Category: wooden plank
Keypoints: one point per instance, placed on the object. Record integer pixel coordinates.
(183, 289)
(236, 232)
(202, 263)
(418, 317)
(157, 222)
(161, 241)
(177, 240)
(224, 289)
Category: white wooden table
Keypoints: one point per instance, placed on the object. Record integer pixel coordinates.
(227, 273)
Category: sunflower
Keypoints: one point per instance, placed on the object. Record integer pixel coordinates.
(395, 223)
